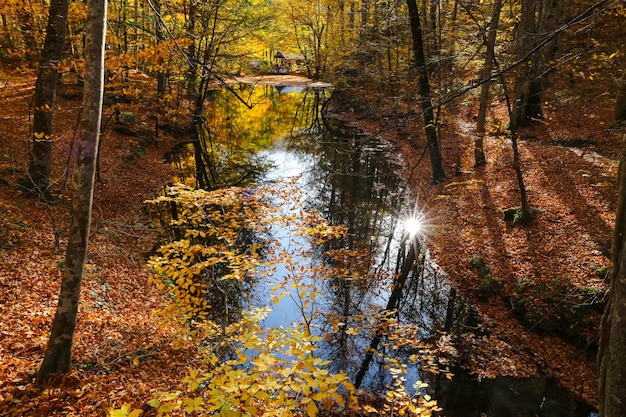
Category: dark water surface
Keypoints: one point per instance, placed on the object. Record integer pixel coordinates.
(351, 180)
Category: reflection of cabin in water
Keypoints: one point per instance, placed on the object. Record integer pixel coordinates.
(285, 64)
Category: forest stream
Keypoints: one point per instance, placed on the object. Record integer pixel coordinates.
(351, 180)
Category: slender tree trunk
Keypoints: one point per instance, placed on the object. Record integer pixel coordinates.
(352, 14)
(479, 151)
(612, 352)
(365, 12)
(424, 93)
(124, 17)
(539, 18)
(620, 100)
(433, 45)
(160, 38)
(26, 24)
(192, 75)
(9, 34)
(525, 214)
(59, 350)
(45, 91)
(161, 79)
(524, 42)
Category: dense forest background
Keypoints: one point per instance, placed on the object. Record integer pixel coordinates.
(508, 117)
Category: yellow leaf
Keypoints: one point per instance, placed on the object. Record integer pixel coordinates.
(194, 404)
(252, 410)
(125, 411)
(311, 409)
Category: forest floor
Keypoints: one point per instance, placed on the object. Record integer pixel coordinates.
(122, 355)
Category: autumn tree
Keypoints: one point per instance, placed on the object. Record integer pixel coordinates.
(611, 353)
(59, 350)
(310, 25)
(21, 32)
(620, 100)
(45, 91)
(535, 45)
(490, 42)
(424, 94)
(25, 14)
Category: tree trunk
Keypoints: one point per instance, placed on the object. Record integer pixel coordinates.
(612, 350)
(45, 91)
(192, 76)
(7, 31)
(433, 45)
(620, 100)
(538, 18)
(490, 42)
(424, 93)
(59, 350)
(160, 38)
(26, 24)
(525, 213)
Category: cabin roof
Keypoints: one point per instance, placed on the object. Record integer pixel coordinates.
(281, 55)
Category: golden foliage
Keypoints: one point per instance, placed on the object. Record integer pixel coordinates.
(220, 238)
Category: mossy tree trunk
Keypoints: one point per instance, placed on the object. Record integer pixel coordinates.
(59, 350)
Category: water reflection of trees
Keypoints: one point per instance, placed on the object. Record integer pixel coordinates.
(351, 181)
(231, 134)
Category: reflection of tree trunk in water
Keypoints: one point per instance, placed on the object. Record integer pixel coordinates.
(317, 118)
(354, 191)
(450, 310)
(350, 205)
(396, 293)
(202, 177)
(205, 174)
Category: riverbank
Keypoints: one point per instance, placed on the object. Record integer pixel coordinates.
(540, 288)
(119, 353)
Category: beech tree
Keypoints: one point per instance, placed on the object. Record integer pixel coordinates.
(620, 100)
(612, 350)
(535, 43)
(424, 93)
(28, 28)
(310, 24)
(45, 91)
(490, 42)
(59, 350)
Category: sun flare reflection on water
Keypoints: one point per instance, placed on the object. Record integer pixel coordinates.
(414, 225)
